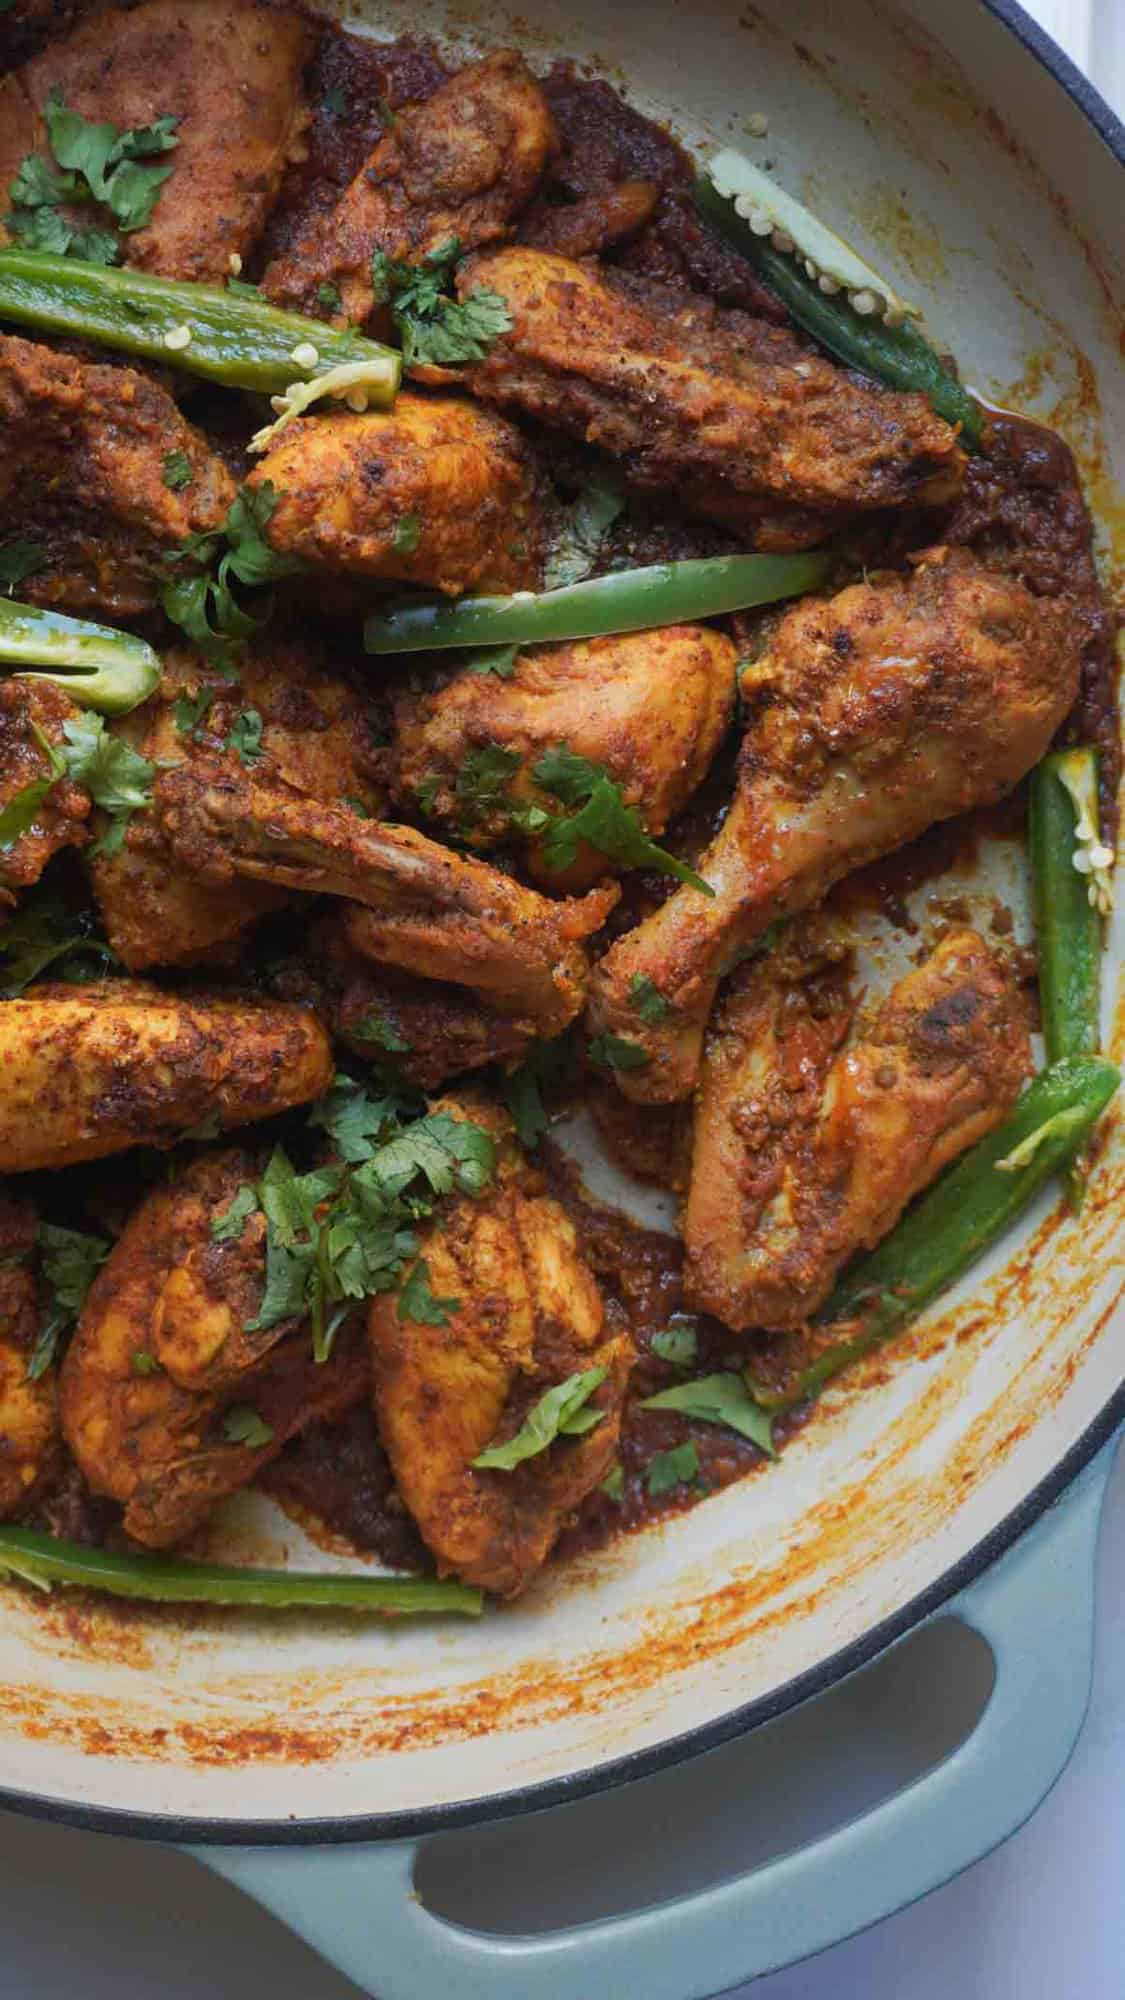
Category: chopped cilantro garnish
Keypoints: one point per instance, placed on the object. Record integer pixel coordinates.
(581, 534)
(647, 999)
(498, 660)
(433, 327)
(407, 535)
(44, 932)
(177, 471)
(328, 296)
(100, 164)
(377, 1029)
(417, 1302)
(611, 1051)
(117, 778)
(144, 1363)
(603, 820)
(68, 1261)
(678, 1342)
(562, 1412)
(243, 1425)
(204, 605)
(246, 735)
(669, 1469)
(719, 1399)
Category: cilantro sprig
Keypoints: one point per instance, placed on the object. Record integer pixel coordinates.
(92, 164)
(346, 1231)
(581, 531)
(205, 605)
(117, 778)
(68, 1262)
(44, 933)
(562, 1412)
(433, 327)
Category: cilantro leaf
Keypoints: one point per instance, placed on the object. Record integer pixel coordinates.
(144, 1363)
(604, 820)
(610, 1051)
(117, 778)
(17, 560)
(68, 1261)
(434, 328)
(678, 1342)
(647, 999)
(562, 1412)
(481, 785)
(328, 296)
(417, 1302)
(719, 1399)
(38, 185)
(498, 660)
(44, 932)
(407, 534)
(544, 1063)
(669, 1469)
(190, 711)
(243, 1425)
(581, 534)
(205, 605)
(22, 810)
(356, 1123)
(225, 1228)
(377, 1029)
(246, 736)
(177, 471)
(99, 163)
(448, 1152)
(613, 1485)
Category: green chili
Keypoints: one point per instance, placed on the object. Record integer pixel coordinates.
(96, 666)
(632, 600)
(950, 1227)
(44, 1560)
(241, 342)
(899, 355)
(1067, 921)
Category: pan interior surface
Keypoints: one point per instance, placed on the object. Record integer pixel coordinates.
(964, 170)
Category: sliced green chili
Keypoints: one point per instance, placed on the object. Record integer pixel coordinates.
(96, 666)
(1067, 922)
(238, 341)
(950, 1227)
(43, 1560)
(632, 600)
(898, 355)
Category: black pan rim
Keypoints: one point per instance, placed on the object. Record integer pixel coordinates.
(353, 1829)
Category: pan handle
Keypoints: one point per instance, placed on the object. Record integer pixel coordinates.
(356, 1904)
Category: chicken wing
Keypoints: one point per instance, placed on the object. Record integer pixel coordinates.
(422, 1031)
(170, 1296)
(297, 721)
(91, 1070)
(460, 165)
(734, 416)
(523, 1313)
(650, 708)
(82, 477)
(429, 911)
(29, 1423)
(871, 714)
(433, 492)
(228, 70)
(803, 1155)
(30, 711)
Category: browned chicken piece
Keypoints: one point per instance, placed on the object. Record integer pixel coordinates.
(314, 736)
(424, 1032)
(429, 911)
(734, 416)
(82, 477)
(229, 70)
(650, 708)
(871, 715)
(524, 1314)
(29, 1423)
(433, 492)
(587, 227)
(91, 1070)
(460, 165)
(30, 710)
(803, 1155)
(649, 1142)
(172, 1297)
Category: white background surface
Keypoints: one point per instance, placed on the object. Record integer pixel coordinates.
(1041, 1919)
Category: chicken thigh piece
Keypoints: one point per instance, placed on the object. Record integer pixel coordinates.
(803, 1156)
(159, 1362)
(30, 1440)
(33, 713)
(82, 478)
(297, 721)
(91, 1070)
(649, 708)
(434, 492)
(429, 911)
(734, 416)
(522, 1314)
(229, 71)
(461, 165)
(871, 715)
